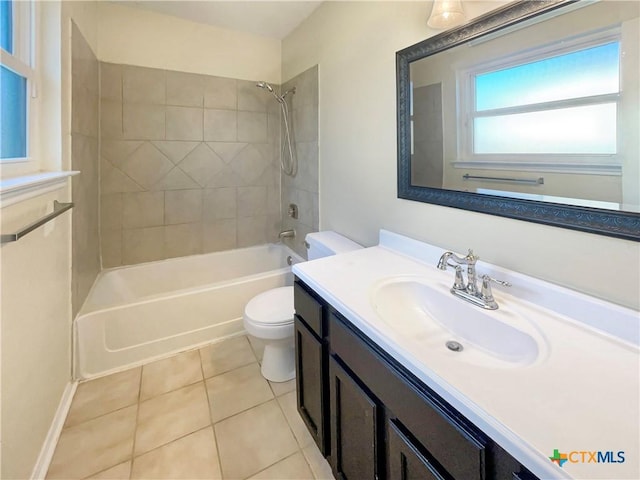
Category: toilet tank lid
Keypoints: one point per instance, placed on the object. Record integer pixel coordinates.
(332, 241)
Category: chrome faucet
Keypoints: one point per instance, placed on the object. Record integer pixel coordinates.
(287, 234)
(469, 292)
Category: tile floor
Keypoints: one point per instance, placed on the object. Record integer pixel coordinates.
(201, 414)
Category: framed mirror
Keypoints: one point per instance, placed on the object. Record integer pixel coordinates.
(529, 112)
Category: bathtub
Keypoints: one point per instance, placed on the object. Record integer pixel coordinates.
(142, 312)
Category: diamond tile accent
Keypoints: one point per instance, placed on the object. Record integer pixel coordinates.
(147, 165)
(202, 164)
(117, 151)
(226, 150)
(176, 179)
(175, 150)
(249, 164)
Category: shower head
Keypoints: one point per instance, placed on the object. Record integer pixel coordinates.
(265, 85)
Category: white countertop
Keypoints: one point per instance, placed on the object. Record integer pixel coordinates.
(584, 395)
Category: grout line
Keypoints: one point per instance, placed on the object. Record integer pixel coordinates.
(209, 406)
(135, 431)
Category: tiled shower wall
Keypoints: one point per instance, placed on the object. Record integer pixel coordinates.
(188, 164)
(302, 189)
(84, 157)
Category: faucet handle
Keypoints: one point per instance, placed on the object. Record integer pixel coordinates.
(471, 258)
(486, 286)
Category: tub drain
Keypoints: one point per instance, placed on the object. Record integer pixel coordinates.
(454, 346)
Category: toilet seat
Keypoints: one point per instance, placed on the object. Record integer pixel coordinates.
(271, 308)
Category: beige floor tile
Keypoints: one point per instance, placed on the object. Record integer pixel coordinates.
(257, 346)
(119, 472)
(319, 465)
(294, 467)
(104, 395)
(170, 374)
(95, 445)
(170, 416)
(192, 457)
(253, 440)
(280, 388)
(237, 390)
(226, 355)
(288, 403)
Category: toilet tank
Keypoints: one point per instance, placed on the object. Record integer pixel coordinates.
(325, 244)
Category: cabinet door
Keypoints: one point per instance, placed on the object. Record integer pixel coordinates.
(310, 375)
(405, 460)
(355, 420)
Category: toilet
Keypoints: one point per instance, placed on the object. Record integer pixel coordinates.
(269, 315)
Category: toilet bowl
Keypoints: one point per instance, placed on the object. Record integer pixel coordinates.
(269, 315)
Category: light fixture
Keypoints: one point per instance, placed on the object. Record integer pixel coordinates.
(446, 14)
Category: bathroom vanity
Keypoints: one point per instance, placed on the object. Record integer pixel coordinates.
(383, 397)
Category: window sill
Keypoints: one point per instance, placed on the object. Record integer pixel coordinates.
(23, 187)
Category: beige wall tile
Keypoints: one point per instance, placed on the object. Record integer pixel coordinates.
(237, 390)
(192, 457)
(142, 209)
(254, 99)
(252, 201)
(176, 179)
(111, 247)
(104, 395)
(143, 85)
(118, 151)
(111, 81)
(185, 89)
(175, 150)
(227, 355)
(263, 431)
(250, 164)
(219, 203)
(220, 93)
(170, 416)
(184, 123)
(143, 122)
(170, 374)
(111, 119)
(220, 125)
(147, 165)
(184, 239)
(95, 445)
(114, 180)
(182, 206)
(227, 151)
(252, 127)
(219, 235)
(142, 245)
(202, 164)
(294, 467)
(252, 231)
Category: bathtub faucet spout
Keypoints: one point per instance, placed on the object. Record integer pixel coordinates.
(287, 234)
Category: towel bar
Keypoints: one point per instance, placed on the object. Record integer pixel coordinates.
(58, 208)
(535, 181)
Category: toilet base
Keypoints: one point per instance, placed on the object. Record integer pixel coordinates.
(278, 363)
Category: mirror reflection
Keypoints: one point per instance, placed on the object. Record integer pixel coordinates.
(547, 112)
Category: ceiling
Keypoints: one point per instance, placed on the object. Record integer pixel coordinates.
(275, 19)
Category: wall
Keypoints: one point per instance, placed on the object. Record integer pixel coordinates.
(302, 188)
(354, 45)
(84, 158)
(188, 164)
(35, 311)
(135, 36)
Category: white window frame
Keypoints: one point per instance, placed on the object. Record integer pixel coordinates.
(582, 163)
(22, 62)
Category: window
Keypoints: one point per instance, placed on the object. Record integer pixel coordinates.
(560, 101)
(16, 79)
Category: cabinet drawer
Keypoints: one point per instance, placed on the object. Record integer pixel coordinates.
(406, 462)
(309, 309)
(450, 439)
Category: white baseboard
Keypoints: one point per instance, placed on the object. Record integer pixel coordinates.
(49, 446)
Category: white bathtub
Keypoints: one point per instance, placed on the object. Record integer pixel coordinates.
(137, 313)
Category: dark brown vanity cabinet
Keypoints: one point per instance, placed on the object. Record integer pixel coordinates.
(372, 418)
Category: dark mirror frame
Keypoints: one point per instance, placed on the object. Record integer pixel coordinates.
(620, 224)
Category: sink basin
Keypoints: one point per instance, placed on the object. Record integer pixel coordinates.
(425, 313)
